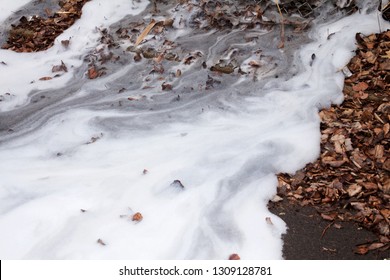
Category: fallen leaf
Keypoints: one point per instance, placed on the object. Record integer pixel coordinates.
(361, 250)
(168, 22)
(60, 68)
(45, 78)
(65, 43)
(166, 87)
(329, 217)
(268, 220)
(254, 63)
(370, 186)
(159, 58)
(362, 86)
(225, 69)
(101, 242)
(387, 55)
(234, 257)
(137, 217)
(137, 57)
(375, 245)
(338, 226)
(385, 65)
(276, 198)
(354, 190)
(332, 161)
(93, 73)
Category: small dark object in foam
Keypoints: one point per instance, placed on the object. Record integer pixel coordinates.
(177, 184)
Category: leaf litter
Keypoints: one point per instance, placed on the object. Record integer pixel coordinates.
(35, 33)
(351, 179)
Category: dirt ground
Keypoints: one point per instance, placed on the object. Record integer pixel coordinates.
(309, 237)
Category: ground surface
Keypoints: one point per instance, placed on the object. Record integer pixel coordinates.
(309, 237)
(330, 213)
(348, 187)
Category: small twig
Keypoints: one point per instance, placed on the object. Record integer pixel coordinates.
(155, 9)
(379, 22)
(326, 229)
(66, 13)
(281, 44)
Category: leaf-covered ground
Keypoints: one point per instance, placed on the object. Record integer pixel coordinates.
(37, 33)
(351, 179)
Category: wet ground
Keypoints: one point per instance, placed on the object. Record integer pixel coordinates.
(309, 237)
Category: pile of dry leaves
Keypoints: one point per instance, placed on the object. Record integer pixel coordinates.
(351, 179)
(37, 33)
(249, 14)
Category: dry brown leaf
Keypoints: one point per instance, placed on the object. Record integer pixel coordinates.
(358, 205)
(370, 186)
(361, 250)
(386, 165)
(385, 213)
(386, 128)
(60, 68)
(65, 43)
(168, 22)
(166, 86)
(362, 86)
(227, 69)
(387, 55)
(254, 63)
(370, 57)
(93, 73)
(159, 58)
(385, 65)
(375, 246)
(45, 78)
(379, 151)
(137, 217)
(329, 217)
(332, 161)
(354, 190)
(234, 257)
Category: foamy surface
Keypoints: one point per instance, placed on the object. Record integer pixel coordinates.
(84, 145)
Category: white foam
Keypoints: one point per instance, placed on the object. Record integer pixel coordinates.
(10, 6)
(23, 71)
